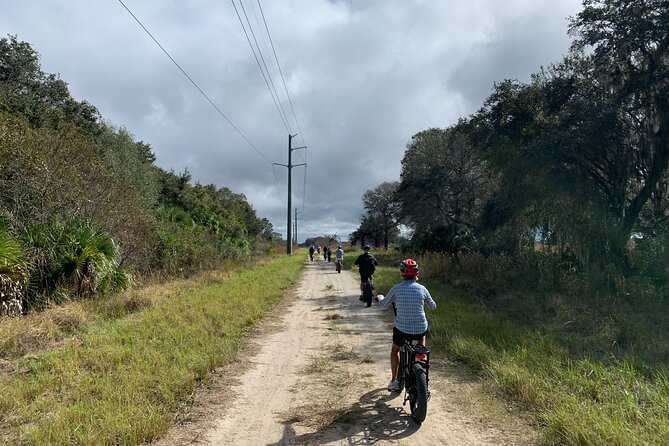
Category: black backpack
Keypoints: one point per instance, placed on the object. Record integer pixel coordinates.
(367, 264)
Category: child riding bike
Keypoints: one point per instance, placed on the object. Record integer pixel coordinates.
(410, 321)
(366, 266)
(339, 259)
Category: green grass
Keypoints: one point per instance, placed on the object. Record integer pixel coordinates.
(123, 380)
(581, 389)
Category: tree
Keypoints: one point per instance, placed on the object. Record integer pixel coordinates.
(370, 230)
(582, 150)
(43, 99)
(383, 208)
(629, 43)
(444, 185)
(131, 162)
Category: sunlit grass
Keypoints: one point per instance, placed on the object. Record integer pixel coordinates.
(577, 398)
(122, 380)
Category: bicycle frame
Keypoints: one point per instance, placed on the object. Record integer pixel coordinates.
(411, 354)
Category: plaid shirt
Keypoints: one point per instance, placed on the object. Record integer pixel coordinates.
(409, 297)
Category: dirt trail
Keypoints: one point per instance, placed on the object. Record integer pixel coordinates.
(316, 374)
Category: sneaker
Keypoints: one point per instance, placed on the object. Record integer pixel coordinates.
(393, 386)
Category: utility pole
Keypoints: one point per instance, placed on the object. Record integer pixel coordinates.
(297, 217)
(290, 165)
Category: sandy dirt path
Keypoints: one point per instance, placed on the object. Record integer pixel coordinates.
(315, 373)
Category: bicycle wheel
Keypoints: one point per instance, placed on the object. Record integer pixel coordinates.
(368, 293)
(418, 395)
(401, 376)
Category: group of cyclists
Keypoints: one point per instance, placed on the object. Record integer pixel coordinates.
(409, 299)
(327, 253)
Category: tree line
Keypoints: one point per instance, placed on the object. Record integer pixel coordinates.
(574, 160)
(84, 207)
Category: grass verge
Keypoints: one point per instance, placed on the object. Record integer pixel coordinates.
(122, 381)
(578, 397)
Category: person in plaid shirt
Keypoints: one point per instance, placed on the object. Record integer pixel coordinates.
(410, 299)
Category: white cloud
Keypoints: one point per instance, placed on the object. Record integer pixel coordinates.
(364, 76)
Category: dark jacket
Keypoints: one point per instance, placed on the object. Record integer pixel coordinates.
(366, 264)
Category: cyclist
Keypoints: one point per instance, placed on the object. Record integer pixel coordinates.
(410, 322)
(366, 266)
(339, 255)
(339, 259)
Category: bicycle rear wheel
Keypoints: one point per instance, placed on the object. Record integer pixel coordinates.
(418, 395)
(369, 292)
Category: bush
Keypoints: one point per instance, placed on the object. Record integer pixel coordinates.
(72, 259)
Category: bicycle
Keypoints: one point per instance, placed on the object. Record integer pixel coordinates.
(413, 377)
(338, 264)
(368, 292)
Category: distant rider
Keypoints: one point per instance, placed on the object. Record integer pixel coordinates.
(410, 322)
(366, 266)
(339, 255)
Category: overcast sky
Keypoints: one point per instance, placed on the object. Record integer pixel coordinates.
(363, 76)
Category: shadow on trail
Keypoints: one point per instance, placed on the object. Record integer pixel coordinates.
(365, 422)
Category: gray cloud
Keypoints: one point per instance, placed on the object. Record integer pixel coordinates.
(364, 76)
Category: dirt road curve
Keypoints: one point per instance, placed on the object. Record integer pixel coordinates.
(316, 372)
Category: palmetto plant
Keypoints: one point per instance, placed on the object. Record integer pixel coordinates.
(75, 259)
(13, 258)
(87, 260)
(13, 272)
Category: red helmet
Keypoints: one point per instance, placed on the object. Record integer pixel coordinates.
(409, 267)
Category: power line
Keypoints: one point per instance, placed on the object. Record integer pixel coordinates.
(285, 87)
(269, 74)
(281, 73)
(277, 182)
(194, 83)
(203, 93)
(285, 123)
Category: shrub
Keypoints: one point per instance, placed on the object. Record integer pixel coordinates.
(72, 259)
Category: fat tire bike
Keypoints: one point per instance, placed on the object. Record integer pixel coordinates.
(413, 377)
(368, 292)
